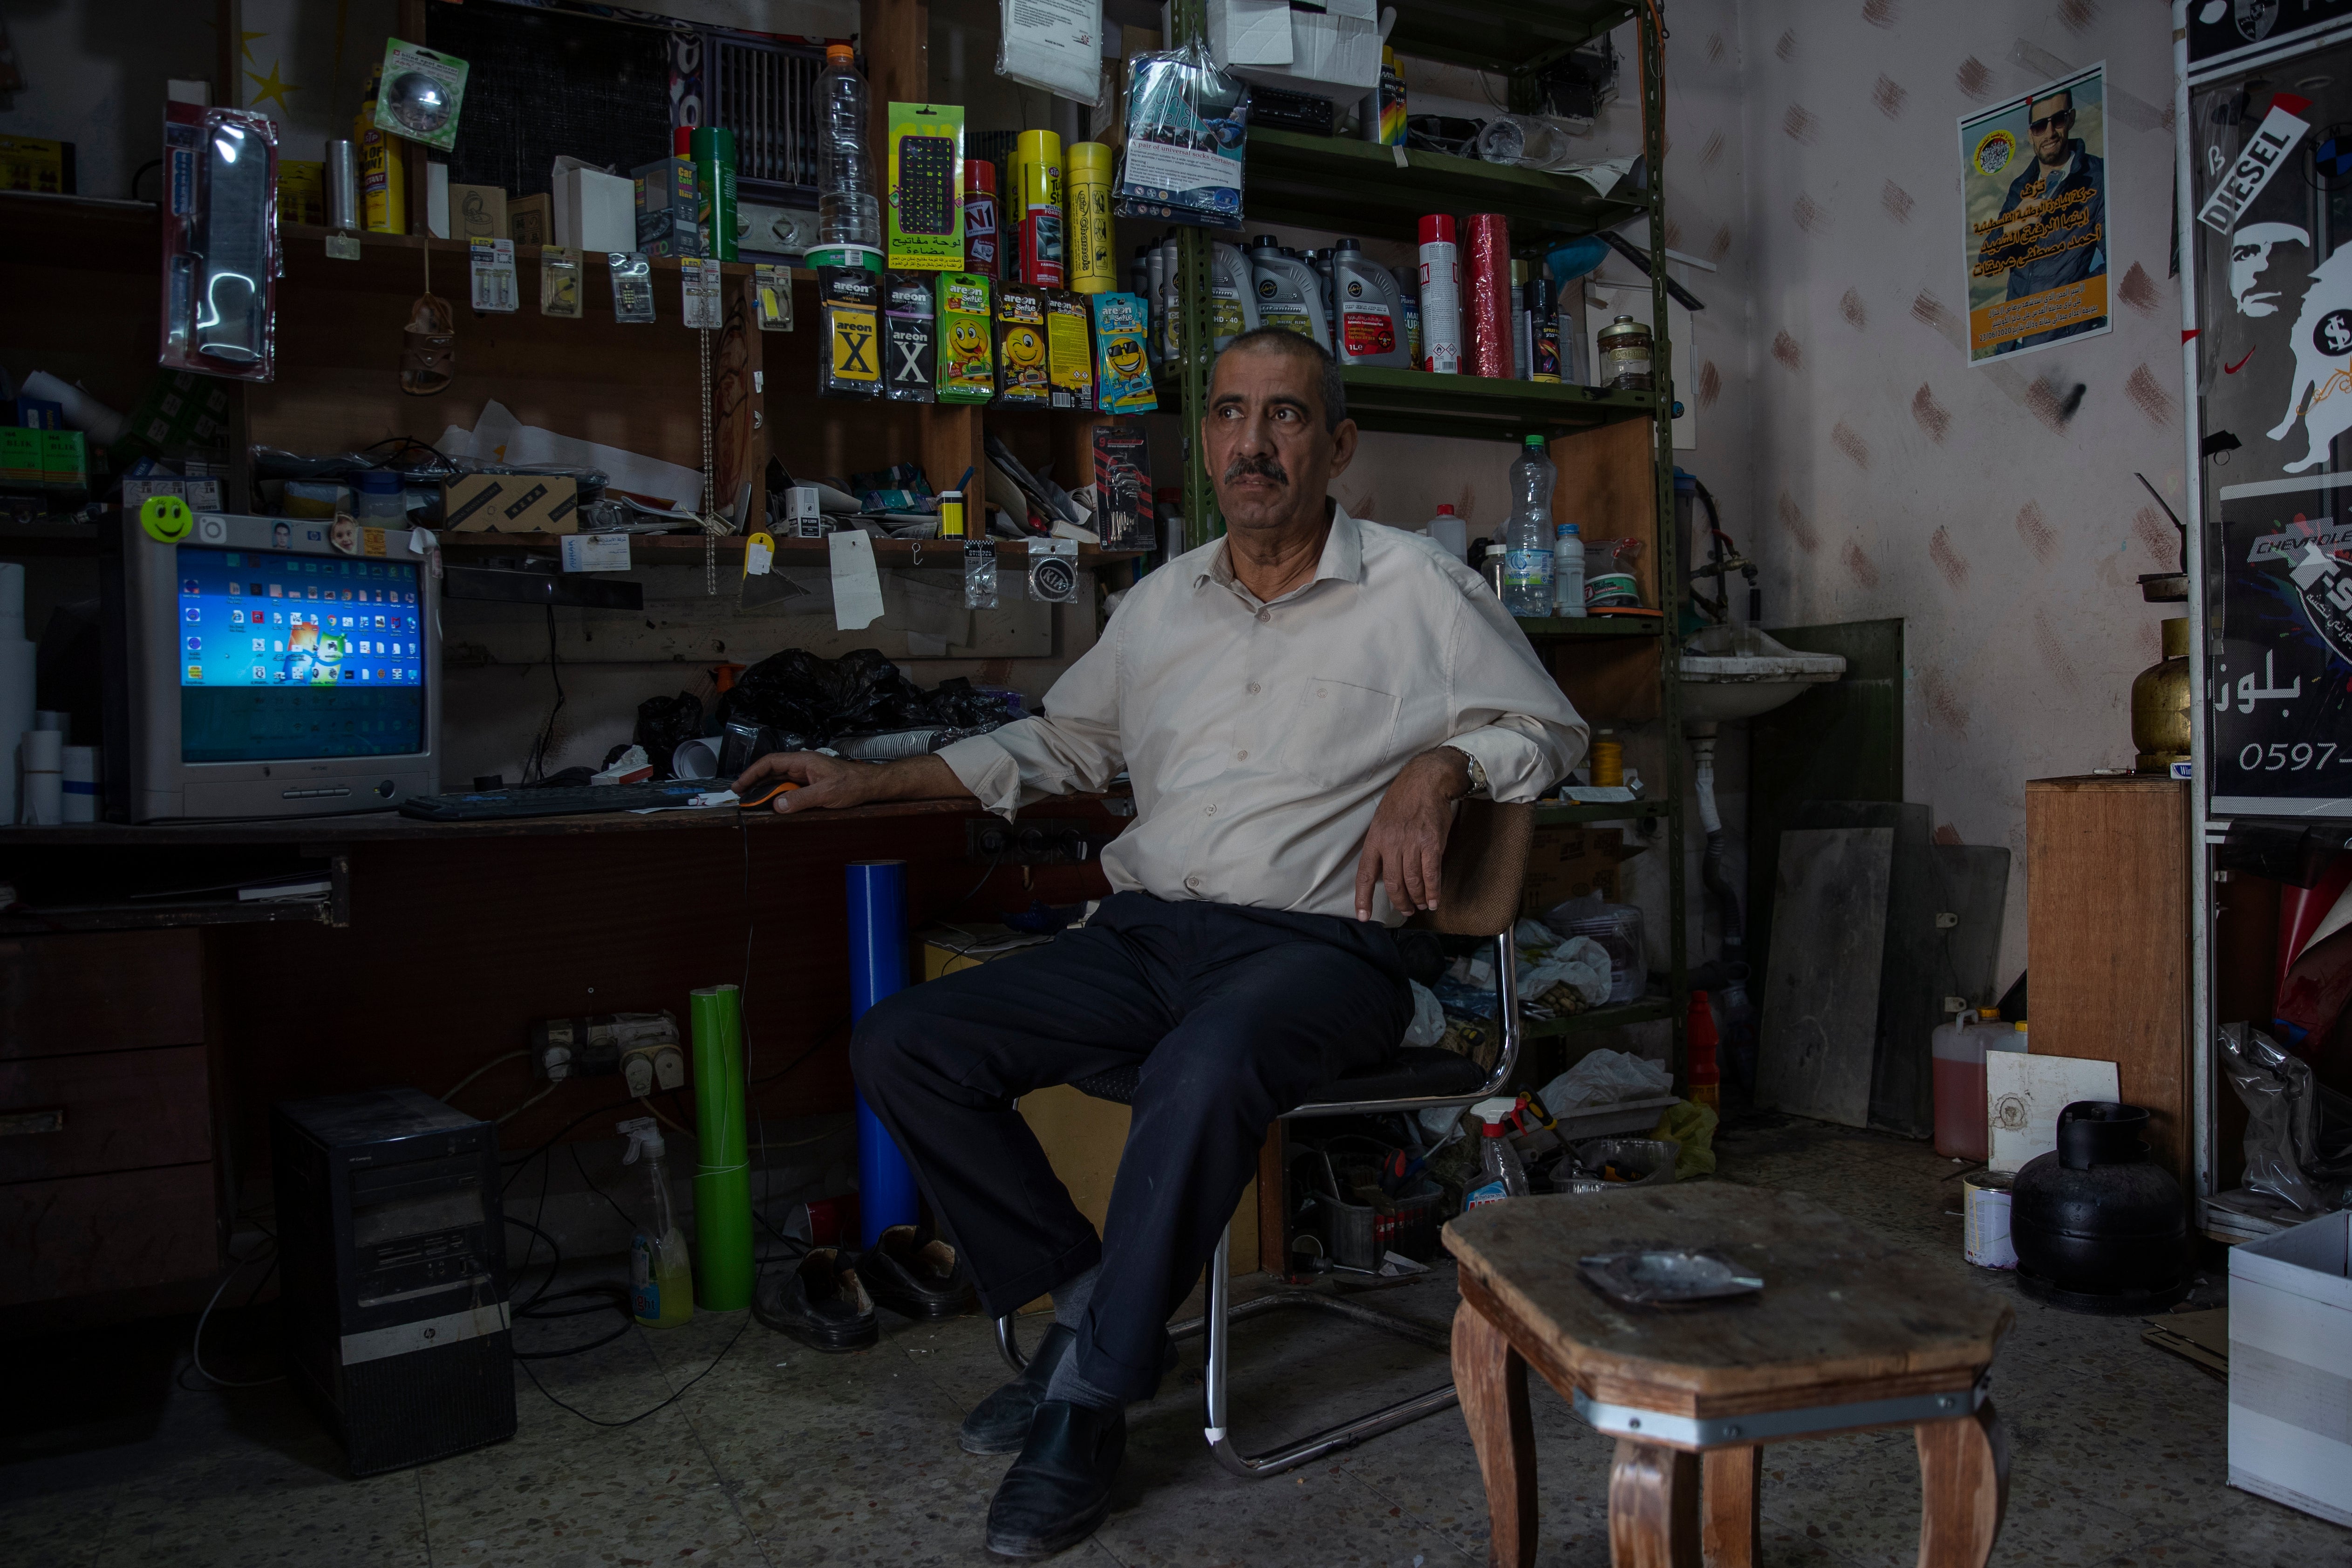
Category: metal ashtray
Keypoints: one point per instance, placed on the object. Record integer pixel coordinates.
(1667, 1277)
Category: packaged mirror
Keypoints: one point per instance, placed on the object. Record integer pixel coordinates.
(220, 242)
(967, 364)
(1069, 353)
(558, 281)
(632, 285)
(1022, 378)
(909, 339)
(979, 575)
(851, 299)
(421, 95)
(1053, 571)
(1187, 122)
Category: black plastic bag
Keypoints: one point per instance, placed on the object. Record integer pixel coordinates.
(666, 723)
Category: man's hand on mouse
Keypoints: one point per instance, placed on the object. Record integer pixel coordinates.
(1404, 849)
(825, 781)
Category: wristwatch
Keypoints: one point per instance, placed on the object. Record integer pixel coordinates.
(1475, 771)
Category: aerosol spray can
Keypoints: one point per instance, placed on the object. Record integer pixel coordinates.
(1441, 296)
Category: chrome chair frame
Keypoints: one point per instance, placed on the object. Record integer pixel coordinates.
(1216, 1322)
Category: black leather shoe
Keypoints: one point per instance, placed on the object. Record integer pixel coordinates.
(820, 1303)
(915, 1277)
(1058, 1492)
(1000, 1423)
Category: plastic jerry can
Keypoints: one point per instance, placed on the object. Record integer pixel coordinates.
(1370, 309)
(1958, 1049)
(1286, 291)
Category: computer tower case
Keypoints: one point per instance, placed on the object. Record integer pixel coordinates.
(393, 1263)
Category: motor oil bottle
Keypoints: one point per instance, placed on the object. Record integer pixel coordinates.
(1370, 309)
(661, 1276)
(1287, 293)
(1409, 292)
(1320, 260)
(1235, 293)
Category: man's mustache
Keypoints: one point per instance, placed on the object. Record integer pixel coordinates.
(1271, 467)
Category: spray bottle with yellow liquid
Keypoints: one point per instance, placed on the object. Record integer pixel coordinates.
(661, 1277)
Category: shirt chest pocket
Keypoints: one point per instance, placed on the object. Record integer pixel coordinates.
(1338, 732)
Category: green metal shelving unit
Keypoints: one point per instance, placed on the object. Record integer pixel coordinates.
(1342, 185)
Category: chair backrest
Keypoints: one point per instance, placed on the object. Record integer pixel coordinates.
(1486, 869)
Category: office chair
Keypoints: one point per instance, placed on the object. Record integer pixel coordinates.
(1485, 864)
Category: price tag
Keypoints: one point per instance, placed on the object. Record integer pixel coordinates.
(494, 276)
(698, 281)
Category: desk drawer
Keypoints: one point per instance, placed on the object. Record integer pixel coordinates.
(87, 1234)
(106, 991)
(110, 1110)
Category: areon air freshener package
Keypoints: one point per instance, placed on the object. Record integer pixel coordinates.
(851, 365)
(910, 345)
(1024, 378)
(966, 362)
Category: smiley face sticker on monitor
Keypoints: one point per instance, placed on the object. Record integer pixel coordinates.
(167, 519)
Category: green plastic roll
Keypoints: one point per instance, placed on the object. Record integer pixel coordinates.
(722, 1180)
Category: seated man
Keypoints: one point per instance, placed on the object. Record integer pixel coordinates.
(1299, 705)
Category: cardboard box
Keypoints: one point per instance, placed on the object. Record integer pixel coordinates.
(511, 503)
(301, 191)
(65, 459)
(31, 163)
(20, 455)
(1332, 52)
(2290, 1367)
(1566, 863)
(668, 197)
(596, 211)
(477, 211)
(530, 220)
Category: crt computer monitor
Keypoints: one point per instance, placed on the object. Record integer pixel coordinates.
(273, 673)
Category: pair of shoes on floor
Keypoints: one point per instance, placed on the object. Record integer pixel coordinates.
(1000, 1423)
(827, 1300)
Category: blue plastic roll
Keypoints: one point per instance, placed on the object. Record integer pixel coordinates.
(877, 968)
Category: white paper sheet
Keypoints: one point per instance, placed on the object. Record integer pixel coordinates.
(856, 586)
(1053, 44)
(498, 436)
(2024, 1094)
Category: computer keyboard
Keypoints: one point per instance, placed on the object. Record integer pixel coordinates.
(493, 804)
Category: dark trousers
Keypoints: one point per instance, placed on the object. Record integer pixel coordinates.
(1231, 1016)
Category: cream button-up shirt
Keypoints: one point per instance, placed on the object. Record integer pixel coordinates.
(1260, 737)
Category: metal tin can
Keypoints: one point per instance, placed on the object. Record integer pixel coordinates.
(1985, 1231)
(1625, 355)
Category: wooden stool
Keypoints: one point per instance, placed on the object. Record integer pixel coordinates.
(1848, 1333)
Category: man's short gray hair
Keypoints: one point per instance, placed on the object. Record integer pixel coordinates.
(1282, 339)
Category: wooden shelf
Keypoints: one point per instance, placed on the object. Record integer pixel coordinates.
(1420, 401)
(674, 549)
(1575, 628)
(158, 915)
(1557, 813)
(1353, 187)
(1507, 36)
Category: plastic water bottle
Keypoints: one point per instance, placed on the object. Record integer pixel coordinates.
(847, 208)
(1567, 570)
(1501, 1175)
(1527, 536)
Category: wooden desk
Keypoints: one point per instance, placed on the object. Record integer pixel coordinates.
(451, 940)
(1848, 1333)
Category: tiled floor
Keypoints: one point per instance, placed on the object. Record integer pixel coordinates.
(783, 1457)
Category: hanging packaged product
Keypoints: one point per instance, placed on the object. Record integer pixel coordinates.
(1382, 114)
(967, 364)
(1155, 300)
(1069, 353)
(851, 300)
(1024, 379)
(669, 206)
(422, 94)
(1486, 295)
(699, 284)
(772, 286)
(1085, 197)
(1187, 125)
(713, 152)
(220, 242)
(491, 267)
(1055, 45)
(979, 574)
(951, 514)
(1043, 256)
(926, 215)
(1122, 369)
(1441, 296)
(1286, 291)
(911, 349)
(1053, 571)
(981, 251)
(1122, 489)
(558, 281)
(1543, 332)
(383, 167)
(1371, 312)
(633, 286)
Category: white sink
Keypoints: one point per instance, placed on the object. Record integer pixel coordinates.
(1738, 672)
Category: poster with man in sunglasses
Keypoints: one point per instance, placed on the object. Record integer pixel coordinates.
(2034, 183)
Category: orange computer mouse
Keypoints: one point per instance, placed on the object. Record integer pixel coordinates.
(763, 798)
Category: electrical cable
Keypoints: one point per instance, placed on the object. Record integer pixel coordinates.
(535, 766)
(527, 1104)
(479, 1071)
(196, 1341)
